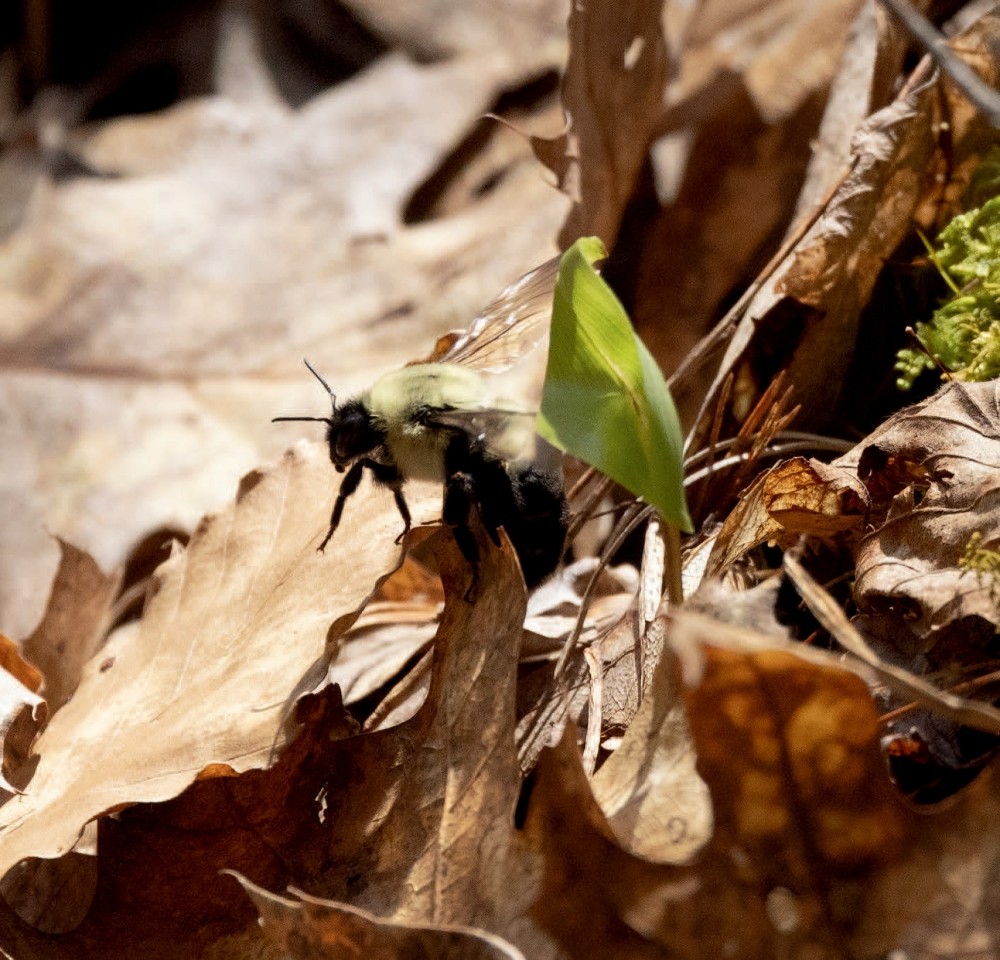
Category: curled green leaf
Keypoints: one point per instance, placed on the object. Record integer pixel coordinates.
(605, 400)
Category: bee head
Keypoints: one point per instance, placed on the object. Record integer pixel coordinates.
(350, 434)
(349, 427)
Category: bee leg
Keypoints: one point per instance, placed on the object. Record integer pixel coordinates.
(348, 485)
(459, 497)
(494, 496)
(388, 475)
(404, 512)
(483, 480)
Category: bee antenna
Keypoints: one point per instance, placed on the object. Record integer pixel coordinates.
(326, 386)
(333, 400)
(327, 420)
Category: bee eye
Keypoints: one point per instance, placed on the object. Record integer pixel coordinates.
(343, 446)
(345, 443)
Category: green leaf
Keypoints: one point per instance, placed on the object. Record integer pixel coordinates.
(605, 400)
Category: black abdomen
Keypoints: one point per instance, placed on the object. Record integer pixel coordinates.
(528, 502)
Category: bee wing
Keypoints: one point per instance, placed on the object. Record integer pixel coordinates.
(510, 327)
(510, 434)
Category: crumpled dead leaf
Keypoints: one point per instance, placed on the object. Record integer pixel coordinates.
(454, 761)
(918, 501)
(789, 746)
(924, 482)
(866, 81)
(631, 67)
(936, 465)
(412, 823)
(690, 122)
(921, 884)
(940, 899)
(783, 52)
(74, 625)
(239, 622)
(650, 792)
(377, 648)
(310, 928)
(795, 497)
(819, 290)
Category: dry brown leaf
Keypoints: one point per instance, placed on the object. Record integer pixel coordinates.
(783, 52)
(412, 823)
(940, 900)
(309, 928)
(796, 496)
(390, 634)
(936, 466)
(373, 653)
(589, 884)
(74, 625)
(54, 896)
(159, 893)
(234, 633)
(970, 133)
(731, 198)
(805, 817)
(22, 712)
(803, 806)
(627, 670)
(695, 126)
(981, 716)
(544, 706)
(630, 65)
(649, 789)
(808, 311)
(453, 762)
(12, 662)
(866, 81)
(419, 825)
(790, 750)
(612, 95)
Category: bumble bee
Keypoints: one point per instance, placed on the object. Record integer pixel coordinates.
(438, 421)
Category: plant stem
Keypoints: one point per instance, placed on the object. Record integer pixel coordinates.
(672, 541)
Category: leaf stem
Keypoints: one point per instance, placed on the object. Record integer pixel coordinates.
(672, 541)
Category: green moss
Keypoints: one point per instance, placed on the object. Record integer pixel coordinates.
(964, 333)
(982, 561)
